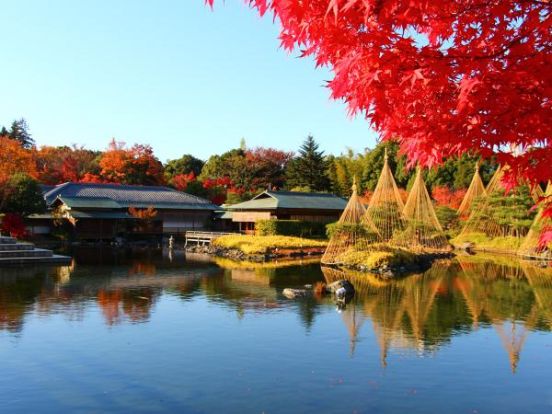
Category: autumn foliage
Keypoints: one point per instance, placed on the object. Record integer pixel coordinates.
(143, 213)
(134, 165)
(12, 224)
(181, 181)
(443, 77)
(14, 158)
(61, 164)
(444, 196)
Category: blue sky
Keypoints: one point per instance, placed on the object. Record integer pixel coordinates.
(170, 73)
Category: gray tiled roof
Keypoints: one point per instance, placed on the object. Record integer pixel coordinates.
(272, 200)
(93, 195)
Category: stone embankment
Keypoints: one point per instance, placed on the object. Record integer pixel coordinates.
(15, 252)
(238, 255)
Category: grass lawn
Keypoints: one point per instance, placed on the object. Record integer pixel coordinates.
(250, 244)
(483, 242)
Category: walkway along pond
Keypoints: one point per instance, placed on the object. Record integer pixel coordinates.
(148, 332)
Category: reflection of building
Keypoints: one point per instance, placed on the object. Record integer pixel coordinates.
(101, 211)
(286, 205)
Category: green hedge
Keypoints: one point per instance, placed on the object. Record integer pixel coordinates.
(359, 230)
(296, 228)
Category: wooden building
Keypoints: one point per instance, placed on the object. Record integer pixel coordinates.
(285, 205)
(94, 211)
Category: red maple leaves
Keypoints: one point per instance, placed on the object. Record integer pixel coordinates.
(443, 77)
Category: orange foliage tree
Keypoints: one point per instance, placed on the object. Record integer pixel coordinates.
(135, 165)
(15, 159)
(57, 165)
(143, 213)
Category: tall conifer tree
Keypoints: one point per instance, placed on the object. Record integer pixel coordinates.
(308, 169)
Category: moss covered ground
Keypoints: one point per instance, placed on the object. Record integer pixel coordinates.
(481, 241)
(378, 256)
(249, 244)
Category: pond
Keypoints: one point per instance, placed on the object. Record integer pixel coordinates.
(143, 332)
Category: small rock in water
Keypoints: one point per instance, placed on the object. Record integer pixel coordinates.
(341, 293)
(308, 286)
(347, 287)
(294, 293)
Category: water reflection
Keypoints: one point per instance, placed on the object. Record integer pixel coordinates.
(418, 313)
(422, 312)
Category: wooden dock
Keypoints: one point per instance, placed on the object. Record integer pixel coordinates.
(203, 237)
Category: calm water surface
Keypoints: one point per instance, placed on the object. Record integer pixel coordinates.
(145, 333)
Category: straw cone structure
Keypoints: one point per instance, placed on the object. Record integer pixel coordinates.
(496, 181)
(423, 230)
(530, 246)
(385, 210)
(541, 281)
(537, 193)
(475, 190)
(480, 219)
(354, 230)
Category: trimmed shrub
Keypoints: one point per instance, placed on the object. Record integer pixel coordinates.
(295, 228)
(359, 230)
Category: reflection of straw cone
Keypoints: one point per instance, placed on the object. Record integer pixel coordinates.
(540, 281)
(513, 342)
(418, 301)
(354, 321)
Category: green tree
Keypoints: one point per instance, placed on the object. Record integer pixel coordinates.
(22, 195)
(309, 168)
(457, 173)
(374, 164)
(343, 169)
(183, 165)
(19, 131)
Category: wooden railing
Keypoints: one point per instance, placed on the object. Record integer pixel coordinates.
(203, 237)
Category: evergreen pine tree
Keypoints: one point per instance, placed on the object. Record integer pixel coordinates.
(4, 132)
(309, 168)
(19, 132)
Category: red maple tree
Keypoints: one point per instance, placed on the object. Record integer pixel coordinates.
(442, 77)
(181, 181)
(444, 196)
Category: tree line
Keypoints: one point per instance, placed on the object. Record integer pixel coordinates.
(230, 177)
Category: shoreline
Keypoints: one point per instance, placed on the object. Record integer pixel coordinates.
(423, 262)
(238, 255)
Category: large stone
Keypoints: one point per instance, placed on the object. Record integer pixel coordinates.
(344, 287)
(294, 293)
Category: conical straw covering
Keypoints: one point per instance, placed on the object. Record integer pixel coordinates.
(475, 190)
(530, 245)
(353, 230)
(386, 207)
(423, 230)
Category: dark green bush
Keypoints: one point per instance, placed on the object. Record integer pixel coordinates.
(358, 230)
(296, 228)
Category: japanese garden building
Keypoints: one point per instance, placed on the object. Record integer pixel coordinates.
(103, 211)
(286, 205)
